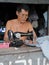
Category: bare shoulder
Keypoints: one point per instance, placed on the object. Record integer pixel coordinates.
(11, 21)
(29, 23)
(30, 26)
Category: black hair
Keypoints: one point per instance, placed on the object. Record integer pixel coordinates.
(23, 6)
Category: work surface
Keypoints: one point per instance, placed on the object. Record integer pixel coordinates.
(22, 56)
(14, 50)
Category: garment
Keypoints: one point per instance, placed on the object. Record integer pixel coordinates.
(35, 24)
(45, 16)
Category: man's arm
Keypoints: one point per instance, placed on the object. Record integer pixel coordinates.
(6, 32)
(34, 34)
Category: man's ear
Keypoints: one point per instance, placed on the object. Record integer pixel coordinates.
(17, 13)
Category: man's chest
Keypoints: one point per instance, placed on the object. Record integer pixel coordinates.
(19, 28)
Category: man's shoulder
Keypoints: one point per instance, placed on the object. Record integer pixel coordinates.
(11, 21)
(28, 23)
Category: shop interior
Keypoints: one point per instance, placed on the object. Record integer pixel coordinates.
(37, 16)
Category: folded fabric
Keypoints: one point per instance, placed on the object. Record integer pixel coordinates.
(40, 40)
(44, 45)
(4, 45)
(45, 48)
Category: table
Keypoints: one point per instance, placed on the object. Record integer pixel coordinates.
(22, 56)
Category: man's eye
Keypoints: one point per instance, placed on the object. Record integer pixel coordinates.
(27, 15)
(22, 14)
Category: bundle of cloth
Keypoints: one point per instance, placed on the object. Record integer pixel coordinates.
(43, 43)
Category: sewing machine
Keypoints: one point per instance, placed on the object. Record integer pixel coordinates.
(15, 38)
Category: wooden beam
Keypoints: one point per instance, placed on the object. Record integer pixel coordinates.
(27, 1)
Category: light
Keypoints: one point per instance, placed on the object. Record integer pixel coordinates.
(2, 29)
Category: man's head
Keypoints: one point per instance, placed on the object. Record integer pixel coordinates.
(22, 12)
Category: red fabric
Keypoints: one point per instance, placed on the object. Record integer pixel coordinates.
(4, 45)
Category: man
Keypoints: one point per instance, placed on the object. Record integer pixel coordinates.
(20, 24)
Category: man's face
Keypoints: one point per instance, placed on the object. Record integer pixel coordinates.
(23, 15)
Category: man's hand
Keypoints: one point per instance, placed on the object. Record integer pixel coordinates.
(32, 42)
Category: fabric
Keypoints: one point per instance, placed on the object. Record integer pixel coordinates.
(45, 48)
(44, 45)
(4, 45)
(35, 24)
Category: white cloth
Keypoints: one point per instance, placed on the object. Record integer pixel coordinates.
(44, 45)
(35, 24)
(45, 48)
(45, 14)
